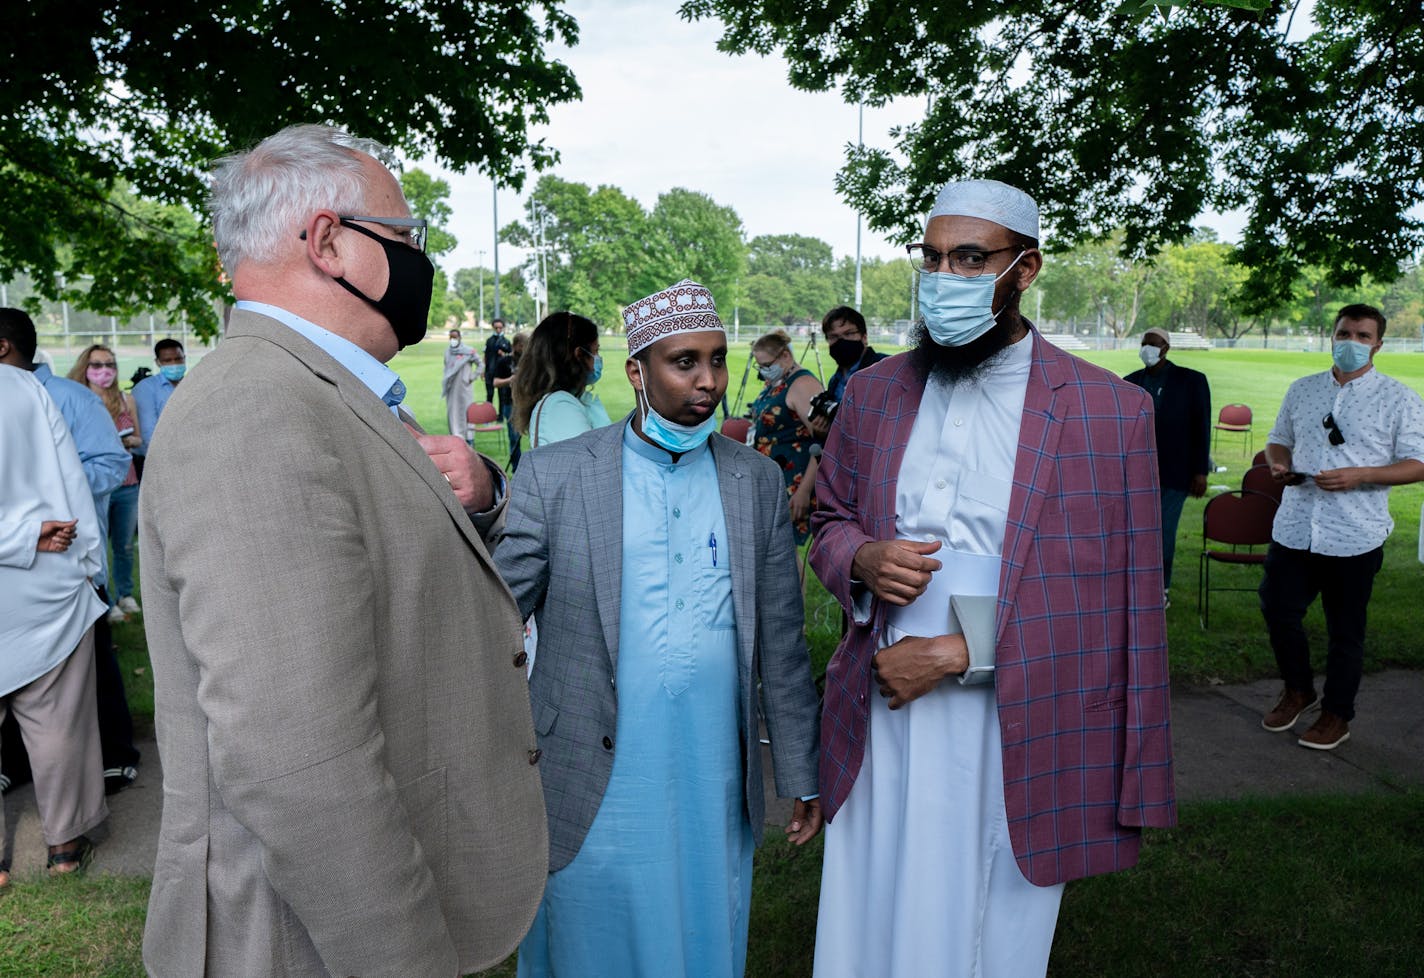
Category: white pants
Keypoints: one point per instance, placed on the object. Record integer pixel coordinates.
(920, 879)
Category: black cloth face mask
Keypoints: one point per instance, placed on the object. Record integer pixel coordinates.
(409, 288)
(847, 352)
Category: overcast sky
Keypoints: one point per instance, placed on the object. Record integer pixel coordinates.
(663, 108)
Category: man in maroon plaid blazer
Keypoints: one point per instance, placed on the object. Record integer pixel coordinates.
(989, 484)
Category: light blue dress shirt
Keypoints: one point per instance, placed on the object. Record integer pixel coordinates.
(101, 451)
(150, 397)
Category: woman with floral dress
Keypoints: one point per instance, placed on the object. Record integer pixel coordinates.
(781, 423)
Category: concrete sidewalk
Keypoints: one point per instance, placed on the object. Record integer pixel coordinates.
(1221, 753)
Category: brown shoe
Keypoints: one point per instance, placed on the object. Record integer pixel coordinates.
(1288, 708)
(1327, 733)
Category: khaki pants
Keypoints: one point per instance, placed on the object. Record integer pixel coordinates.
(60, 726)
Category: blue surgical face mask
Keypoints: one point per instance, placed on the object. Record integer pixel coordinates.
(959, 310)
(772, 373)
(596, 373)
(173, 371)
(676, 438)
(1350, 355)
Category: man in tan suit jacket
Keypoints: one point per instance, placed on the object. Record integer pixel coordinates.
(349, 762)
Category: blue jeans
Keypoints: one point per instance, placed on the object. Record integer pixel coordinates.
(1172, 501)
(123, 524)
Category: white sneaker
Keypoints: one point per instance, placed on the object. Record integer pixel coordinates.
(117, 616)
(129, 605)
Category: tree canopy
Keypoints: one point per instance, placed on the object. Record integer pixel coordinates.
(1137, 115)
(111, 113)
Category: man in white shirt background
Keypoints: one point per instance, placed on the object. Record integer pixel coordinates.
(50, 551)
(1342, 438)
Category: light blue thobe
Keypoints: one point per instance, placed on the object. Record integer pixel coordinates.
(661, 887)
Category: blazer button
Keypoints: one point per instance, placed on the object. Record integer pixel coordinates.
(521, 658)
(607, 743)
(534, 755)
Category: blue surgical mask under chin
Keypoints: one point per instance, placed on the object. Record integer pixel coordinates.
(959, 310)
(675, 438)
(1350, 355)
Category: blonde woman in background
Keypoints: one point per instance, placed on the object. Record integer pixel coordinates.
(98, 369)
(781, 423)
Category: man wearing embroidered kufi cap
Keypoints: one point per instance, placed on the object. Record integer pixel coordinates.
(996, 717)
(659, 561)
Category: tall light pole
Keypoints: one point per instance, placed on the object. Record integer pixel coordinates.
(859, 143)
(544, 259)
(496, 252)
(480, 256)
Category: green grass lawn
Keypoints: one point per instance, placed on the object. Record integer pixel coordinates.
(1319, 886)
(1257, 889)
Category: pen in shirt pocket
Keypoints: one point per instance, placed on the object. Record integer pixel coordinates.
(712, 545)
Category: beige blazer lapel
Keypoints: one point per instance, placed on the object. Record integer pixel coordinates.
(366, 406)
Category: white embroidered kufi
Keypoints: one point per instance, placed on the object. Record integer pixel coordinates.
(1158, 331)
(989, 200)
(682, 308)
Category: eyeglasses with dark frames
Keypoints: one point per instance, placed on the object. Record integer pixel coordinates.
(1337, 437)
(411, 229)
(964, 262)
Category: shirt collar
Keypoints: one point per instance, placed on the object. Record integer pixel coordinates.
(382, 381)
(42, 372)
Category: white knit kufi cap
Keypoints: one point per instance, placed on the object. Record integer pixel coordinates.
(682, 308)
(1157, 331)
(989, 200)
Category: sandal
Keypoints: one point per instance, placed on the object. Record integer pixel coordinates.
(71, 860)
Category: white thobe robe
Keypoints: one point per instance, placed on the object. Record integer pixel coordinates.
(460, 364)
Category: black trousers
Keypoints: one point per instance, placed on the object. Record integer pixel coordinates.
(1294, 578)
(115, 721)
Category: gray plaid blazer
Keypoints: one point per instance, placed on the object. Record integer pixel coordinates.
(562, 556)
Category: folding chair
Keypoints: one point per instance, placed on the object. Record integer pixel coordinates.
(483, 418)
(1239, 521)
(1258, 479)
(737, 429)
(1234, 418)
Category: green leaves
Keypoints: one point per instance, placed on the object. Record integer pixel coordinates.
(1135, 115)
(137, 99)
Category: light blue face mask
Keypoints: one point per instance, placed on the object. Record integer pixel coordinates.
(1350, 355)
(173, 371)
(596, 373)
(959, 310)
(674, 437)
(772, 373)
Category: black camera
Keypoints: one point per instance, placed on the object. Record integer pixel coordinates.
(824, 405)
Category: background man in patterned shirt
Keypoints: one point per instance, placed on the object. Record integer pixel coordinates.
(1343, 437)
